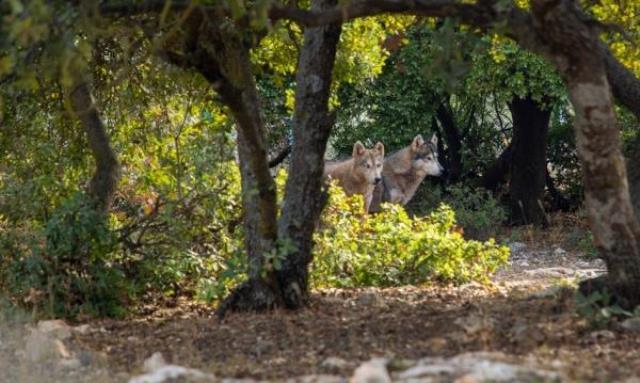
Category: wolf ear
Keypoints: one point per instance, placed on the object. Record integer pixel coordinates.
(379, 148)
(358, 149)
(434, 140)
(417, 142)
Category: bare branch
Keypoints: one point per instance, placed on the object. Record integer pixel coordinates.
(280, 157)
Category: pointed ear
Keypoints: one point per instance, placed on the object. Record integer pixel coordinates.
(379, 148)
(434, 139)
(358, 149)
(417, 142)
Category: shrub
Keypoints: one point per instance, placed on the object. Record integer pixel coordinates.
(390, 248)
(476, 210)
(67, 268)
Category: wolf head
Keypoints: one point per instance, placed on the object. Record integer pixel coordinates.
(368, 162)
(425, 155)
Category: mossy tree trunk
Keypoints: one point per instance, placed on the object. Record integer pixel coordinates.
(221, 53)
(611, 216)
(104, 182)
(312, 123)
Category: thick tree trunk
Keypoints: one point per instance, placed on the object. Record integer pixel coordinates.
(105, 179)
(633, 166)
(611, 217)
(453, 140)
(528, 161)
(312, 123)
(237, 88)
(214, 47)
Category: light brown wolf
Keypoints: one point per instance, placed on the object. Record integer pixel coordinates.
(404, 170)
(360, 173)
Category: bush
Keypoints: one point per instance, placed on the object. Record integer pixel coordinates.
(390, 248)
(67, 268)
(476, 210)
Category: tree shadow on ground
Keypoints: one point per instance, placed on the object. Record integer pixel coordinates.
(357, 324)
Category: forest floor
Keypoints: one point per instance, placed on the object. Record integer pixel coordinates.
(526, 317)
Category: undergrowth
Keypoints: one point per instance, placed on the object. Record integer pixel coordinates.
(390, 248)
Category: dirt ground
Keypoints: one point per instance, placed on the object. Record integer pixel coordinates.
(528, 314)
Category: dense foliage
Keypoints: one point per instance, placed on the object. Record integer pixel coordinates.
(175, 223)
(390, 248)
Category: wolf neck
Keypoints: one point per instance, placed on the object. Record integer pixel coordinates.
(349, 180)
(399, 173)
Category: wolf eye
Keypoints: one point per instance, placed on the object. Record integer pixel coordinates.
(378, 165)
(429, 158)
(368, 166)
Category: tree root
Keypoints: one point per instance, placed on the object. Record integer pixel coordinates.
(250, 296)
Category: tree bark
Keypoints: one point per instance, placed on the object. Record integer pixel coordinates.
(611, 217)
(528, 161)
(453, 139)
(304, 199)
(104, 182)
(633, 161)
(213, 46)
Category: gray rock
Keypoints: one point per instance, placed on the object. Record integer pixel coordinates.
(70, 364)
(83, 329)
(154, 362)
(473, 367)
(334, 364)
(631, 324)
(517, 247)
(603, 334)
(41, 346)
(158, 371)
(559, 252)
(373, 371)
(55, 328)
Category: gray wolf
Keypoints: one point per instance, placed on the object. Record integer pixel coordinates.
(360, 173)
(404, 170)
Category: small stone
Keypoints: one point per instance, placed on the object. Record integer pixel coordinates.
(631, 324)
(40, 347)
(82, 329)
(56, 328)
(516, 247)
(334, 364)
(373, 371)
(70, 364)
(559, 252)
(154, 362)
(603, 334)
